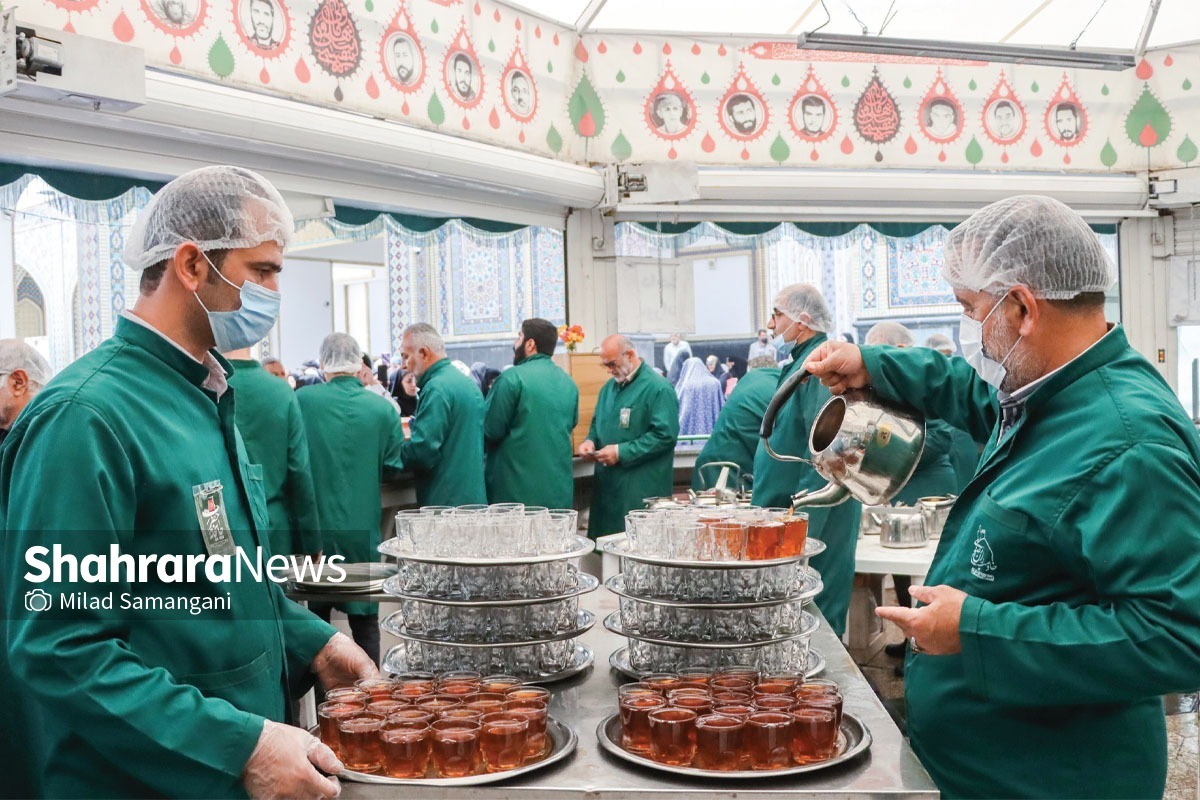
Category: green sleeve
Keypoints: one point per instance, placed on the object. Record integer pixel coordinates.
(166, 735)
(1141, 637)
(946, 388)
(662, 433)
(593, 433)
(302, 501)
(393, 445)
(304, 634)
(429, 426)
(502, 403)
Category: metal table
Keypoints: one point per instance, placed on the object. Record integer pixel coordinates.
(888, 769)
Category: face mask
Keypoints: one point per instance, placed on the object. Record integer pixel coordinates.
(970, 334)
(780, 344)
(248, 325)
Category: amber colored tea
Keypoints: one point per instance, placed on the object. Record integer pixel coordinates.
(458, 689)
(662, 681)
(768, 740)
(347, 694)
(410, 714)
(673, 736)
(772, 687)
(763, 540)
(814, 734)
(386, 707)
(406, 749)
(741, 710)
(329, 714)
(378, 688)
(455, 747)
(528, 693)
(409, 689)
(502, 739)
(359, 739)
(830, 701)
(438, 702)
(537, 743)
(498, 683)
(795, 534)
(731, 697)
(635, 720)
(719, 742)
(774, 702)
(700, 703)
(731, 683)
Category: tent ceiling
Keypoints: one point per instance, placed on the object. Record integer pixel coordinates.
(1019, 22)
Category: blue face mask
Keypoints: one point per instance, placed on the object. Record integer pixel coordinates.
(782, 346)
(248, 325)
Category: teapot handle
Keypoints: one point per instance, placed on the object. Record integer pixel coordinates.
(782, 395)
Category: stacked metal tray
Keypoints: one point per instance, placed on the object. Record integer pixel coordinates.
(677, 614)
(513, 615)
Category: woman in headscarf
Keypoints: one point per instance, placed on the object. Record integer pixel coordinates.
(700, 399)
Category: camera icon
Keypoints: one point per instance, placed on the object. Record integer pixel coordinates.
(38, 600)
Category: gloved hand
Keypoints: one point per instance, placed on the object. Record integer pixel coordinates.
(282, 766)
(341, 662)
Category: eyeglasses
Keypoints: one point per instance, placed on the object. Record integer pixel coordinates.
(609, 364)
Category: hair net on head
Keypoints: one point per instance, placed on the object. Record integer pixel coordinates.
(1030, 240)
(942, 343)
(15, 355)
(218, 208)
(340, 353)
(892, 333)
(803, 303)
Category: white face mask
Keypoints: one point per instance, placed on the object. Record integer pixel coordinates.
(970, 335)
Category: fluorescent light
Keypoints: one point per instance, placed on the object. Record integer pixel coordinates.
(976, 51)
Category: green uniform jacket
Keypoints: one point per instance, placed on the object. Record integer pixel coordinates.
(446, 448)
(735, 436)
(136, 702)
(354, 439)
(964, 456)
(268, 417)
(641, 417)
(776, 481)
(531, 411)
(1078, 548)
(934, 474)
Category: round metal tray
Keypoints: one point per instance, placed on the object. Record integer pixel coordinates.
(619, 660)
(810, 588)
(393, 624)
(808, 624)
(396, 662)
(563, 741)
(620, 548)
(854, 740)
(361, 577)
(584, 583)
(580, 547)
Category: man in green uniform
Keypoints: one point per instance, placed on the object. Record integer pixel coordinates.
(131, 456)
(964, 451)
(735, 436)
(268, 417)
(1062, 600)
(631, 439)
(799, 321)
(354, 440)
(446, 448)
(23, 373)
(531, 411)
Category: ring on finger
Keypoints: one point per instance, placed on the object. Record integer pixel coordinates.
(916, 648)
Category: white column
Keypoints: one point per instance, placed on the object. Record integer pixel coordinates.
(8, 258)
(306, 316)
(591, 275)
(1144, 287)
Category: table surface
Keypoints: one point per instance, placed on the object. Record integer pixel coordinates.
(887, 769)
(872, 558)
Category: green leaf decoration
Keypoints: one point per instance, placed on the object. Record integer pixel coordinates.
(554, 139)
(549, 66)
(1187, 151)
(621, 149)
(776, 80)
(974, 152)
(972, 85)
(907, 82)
(621, 76)
(433, 26)
(780, 152)
(705, 78)
(370, 6)
(1108, 154)
(1187, 85)
(437, 114)
(845, 81)
(1104, 90)
(220, 58)
(1034, 87)
(585, 109)
(1149, 122)
(491, 46)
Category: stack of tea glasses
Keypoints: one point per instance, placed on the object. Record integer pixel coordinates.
(492, 588)
(715, 587)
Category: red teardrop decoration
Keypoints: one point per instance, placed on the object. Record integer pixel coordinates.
(1144, 70)
(910, 146)
(721, 50)
(1168, 61)
(707, 144)
(537, 31)
(302, 73)
(264, 76)
(847, 145)
(581, 52)
(667, 49)
(942, 155)
(637, 48)
(466, 123)
(556, 38)
(1036, 149)
(478, 9)
(521, 137)
(1067, 158)
(69, 28)
(602, 48)
(813, 155)
(123, 28)
(671, 154)
(496, 15)
(517, 23)
(745, 154)
(587, 125)
(372, 88)
(176, 56)
(494, 118)
(1004, 157)
(404, 108)
(696, 49)
(1148, 137)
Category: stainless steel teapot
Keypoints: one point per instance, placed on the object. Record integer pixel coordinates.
(863, 445)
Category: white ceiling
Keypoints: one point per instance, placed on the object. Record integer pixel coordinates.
(1116, 23)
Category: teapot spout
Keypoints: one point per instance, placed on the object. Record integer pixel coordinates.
(830, 495)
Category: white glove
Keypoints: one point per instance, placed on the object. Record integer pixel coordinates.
(341, 662)
(282, 766)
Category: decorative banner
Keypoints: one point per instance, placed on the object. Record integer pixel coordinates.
(180, 19)
(876, 117)
(402, 57)
(940, 116)
(742, 111)
(518, 88)
(1003, 116)
(1066, 118)
(813, 113)
(335, 42)
(461, 73)
(670, 110)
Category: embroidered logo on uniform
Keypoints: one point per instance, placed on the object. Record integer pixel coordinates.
(983, 563)
(214, 523)
(626, 413)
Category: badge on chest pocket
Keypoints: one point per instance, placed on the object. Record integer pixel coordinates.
(214, 522)
(626, 413)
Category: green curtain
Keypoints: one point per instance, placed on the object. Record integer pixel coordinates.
(897, 230)
(418, 224)
(79, 185)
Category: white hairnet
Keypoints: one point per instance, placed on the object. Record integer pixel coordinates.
(804, 303)
(942, 343)
(218, 208)
(1030, 240)
(892, 333)
(340, 353)
(15, 355)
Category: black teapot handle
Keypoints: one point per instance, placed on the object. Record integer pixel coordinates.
(782, 395)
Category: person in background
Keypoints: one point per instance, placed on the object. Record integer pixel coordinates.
(799, 321)
(675, 350)
(1062, 602)
(964, 451)
(631, 439)
(404, 391)
(530, 414)
(484, 376)
(700, 397)
(274, 367)
(268, 417)
(140, 439)
(354, 439)
(446, 448)
(761, 346)
(23, 373)
(368, 376)
(735, 436)
(309, 375)
(732, 371)
(942, 343)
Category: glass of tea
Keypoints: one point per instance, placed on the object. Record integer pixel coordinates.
(814, 734)
(673, 736)
(406, 748)
(378, 688)
(536, 712)
(795, 533)
(455, 746)
(359, 740)
(525, 692)
(768, 740)
(502, 738)
(774, 702)
(719, 742)
(329, 714)
(635, 720)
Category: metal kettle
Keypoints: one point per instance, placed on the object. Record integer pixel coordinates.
(866, 447)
